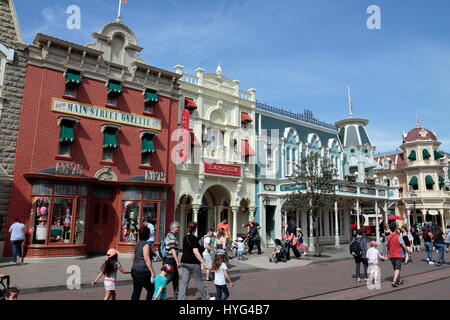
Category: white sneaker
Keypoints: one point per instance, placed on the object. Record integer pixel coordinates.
(428, 259)
(430, 262)
(304, 254)
(212, 298)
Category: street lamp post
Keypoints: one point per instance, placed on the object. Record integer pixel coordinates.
(413, 200)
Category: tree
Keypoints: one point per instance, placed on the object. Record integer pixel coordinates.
(314, 178)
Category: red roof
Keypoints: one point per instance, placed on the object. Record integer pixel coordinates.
(246, 150)
(245, 117)
(419, 134)
(190, 104)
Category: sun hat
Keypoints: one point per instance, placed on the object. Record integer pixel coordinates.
(111, 252)
(220, 252)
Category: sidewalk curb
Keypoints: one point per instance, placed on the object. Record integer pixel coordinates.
(118, 283)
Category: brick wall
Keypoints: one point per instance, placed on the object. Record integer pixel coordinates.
(39, 136)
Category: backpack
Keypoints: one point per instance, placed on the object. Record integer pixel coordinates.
(162, 248)
(355, 248)
(201, 243)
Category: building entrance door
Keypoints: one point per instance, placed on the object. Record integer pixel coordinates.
(101, 228)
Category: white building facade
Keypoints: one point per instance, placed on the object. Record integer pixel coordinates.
(216, 178)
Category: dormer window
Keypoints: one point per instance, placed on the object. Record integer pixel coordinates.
(73, 81)
(114, 91)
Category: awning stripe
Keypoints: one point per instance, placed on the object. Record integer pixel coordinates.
(66, 134)
(245, 117)
(73, 78)
(114, 88)
(147, 144)
(151, 97)
(109, 139)
(190, 104)
(246, 150)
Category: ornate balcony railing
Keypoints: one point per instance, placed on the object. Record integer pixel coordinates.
(306, 116)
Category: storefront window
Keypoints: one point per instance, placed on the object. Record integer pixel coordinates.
(162, 221)
(80, 223)
(61, 220)
(83, 190)
(65, 189)
(40, 219)
(150, 194)
(150, 211)
(42, 187)
(131, 192)
(130, 221)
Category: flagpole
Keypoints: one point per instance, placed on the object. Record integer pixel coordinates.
(349, 102)
(120, 7)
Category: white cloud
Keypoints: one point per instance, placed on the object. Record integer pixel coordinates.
(48, 14)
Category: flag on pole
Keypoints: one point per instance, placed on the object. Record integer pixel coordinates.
(121, 2)
(350, 103)
(124, 1)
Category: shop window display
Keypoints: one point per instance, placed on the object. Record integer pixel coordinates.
(150, 211)
(80, 222)
(39, 220)
(130, 221)
(61, 220)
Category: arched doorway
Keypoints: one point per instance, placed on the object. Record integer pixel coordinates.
(215, 207)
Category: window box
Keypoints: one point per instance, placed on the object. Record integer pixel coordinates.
(350, 178)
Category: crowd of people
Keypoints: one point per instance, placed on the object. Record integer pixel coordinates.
(399, 243)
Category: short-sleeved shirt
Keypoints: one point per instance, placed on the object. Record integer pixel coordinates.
(17, 231)
(171, 242)
(207, 241)
(219, 275)
(152, 228)
(160, 282)
(224, 226)
(113, 276)
(190, 242)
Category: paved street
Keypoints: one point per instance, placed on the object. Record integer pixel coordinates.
(317, 281)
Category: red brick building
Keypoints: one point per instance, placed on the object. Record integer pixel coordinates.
(94, 148)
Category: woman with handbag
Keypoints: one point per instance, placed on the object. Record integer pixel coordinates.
(291, 241)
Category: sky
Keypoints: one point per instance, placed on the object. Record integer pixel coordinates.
(297, 54)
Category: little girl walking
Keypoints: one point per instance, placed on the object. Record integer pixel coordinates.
(109, 270)
(372, 258)
(220, 274)
(300, 240)
(160, 282)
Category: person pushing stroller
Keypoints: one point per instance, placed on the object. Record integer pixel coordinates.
(279, 252)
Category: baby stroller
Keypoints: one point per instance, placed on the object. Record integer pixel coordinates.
(279, 253)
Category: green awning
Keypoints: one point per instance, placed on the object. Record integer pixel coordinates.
(426, 154)
(414, 181)
(109, 139)
(151, 97)
(437, 155)
(73, 78)
(412, 155)
(147, 144)
(114, 88)
(441, 180)
(67, 132)
(429, 180)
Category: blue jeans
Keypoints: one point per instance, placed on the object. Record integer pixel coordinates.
(17, 249)
(440, 247)
(239, 255)
(429, 247)
(223, 289)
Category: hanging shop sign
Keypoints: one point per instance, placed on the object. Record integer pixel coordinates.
(105, 114)
(348, 189)
(71, 169)
(184, 139)
(292, 187)
(368, 191)
(155, 176)
(223, 169)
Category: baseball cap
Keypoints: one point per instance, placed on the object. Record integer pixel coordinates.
(373, 243)
(111, 252)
